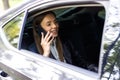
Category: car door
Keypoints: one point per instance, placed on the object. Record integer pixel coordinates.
(91, 46)
(10, 36)
(33, 66)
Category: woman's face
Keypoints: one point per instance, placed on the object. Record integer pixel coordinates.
(50, 24)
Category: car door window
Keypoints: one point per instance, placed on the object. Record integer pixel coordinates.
(83, 27)
(12, 30)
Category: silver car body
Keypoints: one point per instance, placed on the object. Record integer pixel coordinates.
(24, 65)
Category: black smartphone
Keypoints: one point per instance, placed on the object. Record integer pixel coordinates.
(39, 29)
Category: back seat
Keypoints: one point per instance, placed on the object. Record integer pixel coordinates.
(82, 32)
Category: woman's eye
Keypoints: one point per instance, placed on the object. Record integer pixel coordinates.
(48, 24)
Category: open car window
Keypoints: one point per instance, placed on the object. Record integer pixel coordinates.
(83, 26)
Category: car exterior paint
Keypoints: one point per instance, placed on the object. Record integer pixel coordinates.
(34, 67)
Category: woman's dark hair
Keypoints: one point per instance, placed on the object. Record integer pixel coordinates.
(36, 24)
(38, 19)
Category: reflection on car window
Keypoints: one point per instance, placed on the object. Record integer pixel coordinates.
(12, 29)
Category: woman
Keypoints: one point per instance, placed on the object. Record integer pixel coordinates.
(46, 38)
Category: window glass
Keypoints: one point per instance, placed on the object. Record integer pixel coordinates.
(12, 29)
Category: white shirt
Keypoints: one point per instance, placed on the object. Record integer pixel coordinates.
(54, 50)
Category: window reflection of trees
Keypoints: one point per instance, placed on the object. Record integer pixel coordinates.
(112, 66)
(12, 29)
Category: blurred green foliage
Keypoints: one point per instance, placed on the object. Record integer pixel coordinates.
(12, 30)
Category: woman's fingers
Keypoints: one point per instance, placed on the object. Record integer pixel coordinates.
(51, 39)
(46, 39)
(47, 35)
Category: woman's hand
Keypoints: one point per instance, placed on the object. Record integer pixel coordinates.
(46, 40)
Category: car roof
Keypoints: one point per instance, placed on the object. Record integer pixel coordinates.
(29, 4)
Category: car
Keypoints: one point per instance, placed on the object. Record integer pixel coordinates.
(92, 26)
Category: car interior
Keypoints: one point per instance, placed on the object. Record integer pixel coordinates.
(83, 26)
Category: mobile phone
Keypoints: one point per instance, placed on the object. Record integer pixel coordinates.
(39, 29)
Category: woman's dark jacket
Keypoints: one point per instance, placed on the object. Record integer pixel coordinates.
(67, 50)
